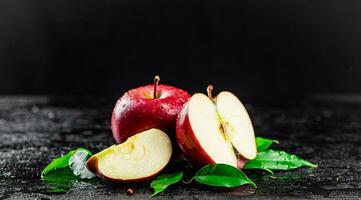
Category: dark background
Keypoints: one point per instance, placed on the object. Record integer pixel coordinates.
(259, 49)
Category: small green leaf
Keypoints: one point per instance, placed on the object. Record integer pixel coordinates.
(255, 164)
(278, 160)
(163, 181)
(264, 143)
(60, 180)
(77, 163)
(222, 175)
(58, 163)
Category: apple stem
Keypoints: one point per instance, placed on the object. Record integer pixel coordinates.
(209, 91)
(187, 181)
(156, 82)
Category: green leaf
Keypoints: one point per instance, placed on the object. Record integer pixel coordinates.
(60, 180)
(163, 181)
(77, 163)
(222, 175)
(277, 160)
(255, 164)
(58, 163)
(264, 143)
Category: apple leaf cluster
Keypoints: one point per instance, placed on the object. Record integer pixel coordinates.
(222, 175)
(269, 159)
(215, 175)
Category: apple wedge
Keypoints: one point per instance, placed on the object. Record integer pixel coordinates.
(139, 158)
(216, 130)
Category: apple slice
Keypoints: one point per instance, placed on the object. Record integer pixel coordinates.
(139, 158)
(216, 130)
(236, 124)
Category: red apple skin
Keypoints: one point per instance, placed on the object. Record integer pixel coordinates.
(137, 111)
(190, 145)
(241, 162)
(188, 142)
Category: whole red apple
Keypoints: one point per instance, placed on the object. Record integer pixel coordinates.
(146, 107)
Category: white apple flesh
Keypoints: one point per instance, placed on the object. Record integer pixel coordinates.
(216, 131)
(139, 158)
(236, 124)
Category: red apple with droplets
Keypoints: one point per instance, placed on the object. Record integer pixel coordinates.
(151, 106)
(216, 130)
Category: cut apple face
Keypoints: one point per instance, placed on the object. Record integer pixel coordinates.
(216, 130)
(207, 129)
(141, 157)
(236, 124)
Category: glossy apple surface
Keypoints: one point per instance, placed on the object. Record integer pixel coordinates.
(137, 110)
(139, 158)
(216, 131)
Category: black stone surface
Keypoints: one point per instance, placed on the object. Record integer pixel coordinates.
(325, 130)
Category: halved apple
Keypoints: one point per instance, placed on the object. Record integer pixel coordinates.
(216, 130)
(139, 158)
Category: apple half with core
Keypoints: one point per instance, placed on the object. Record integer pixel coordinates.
(216, 130)
(139, 158)
(146, 107)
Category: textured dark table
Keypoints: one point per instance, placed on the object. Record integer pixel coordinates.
(325, 130)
